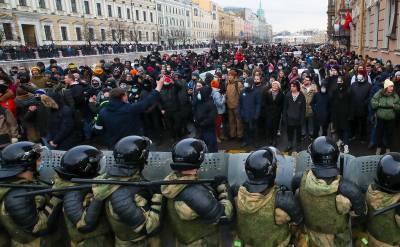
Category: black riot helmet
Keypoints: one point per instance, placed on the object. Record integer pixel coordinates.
(324, 155)
(260, 167)
(188, 154)
(132, 152)
(19, 157)
(81, 161)
(388, 173)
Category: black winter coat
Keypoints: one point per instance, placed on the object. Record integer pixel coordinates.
(273, 108)
(205, 111)
(294, 111)
(321, 108)
(169, 98)
(340, 108)
(61, 128)
(360, 98)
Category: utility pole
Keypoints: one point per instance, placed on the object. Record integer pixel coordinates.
(362, 28)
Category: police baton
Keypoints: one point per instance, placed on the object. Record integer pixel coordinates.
(144, 184)
(25, 186)
(384, 210)
(52, 190)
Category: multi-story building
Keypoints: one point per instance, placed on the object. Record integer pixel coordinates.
(77, 22)
(376, 29)
(226, 26)
(174, 21)
(238, 28)
(204, 21)
(337, 33)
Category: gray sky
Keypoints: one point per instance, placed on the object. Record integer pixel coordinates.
(291, 15)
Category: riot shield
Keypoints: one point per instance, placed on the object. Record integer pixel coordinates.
(362, 170)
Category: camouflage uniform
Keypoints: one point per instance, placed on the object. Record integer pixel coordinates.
(100, 236)
(384, 229)
(186, 224)
(257, 211)
(321, 201)
(125, 236)
(20, 235)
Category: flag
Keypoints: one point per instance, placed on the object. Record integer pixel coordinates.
(348, 20)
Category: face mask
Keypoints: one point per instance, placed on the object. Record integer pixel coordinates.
(199, 96)
(323, 90)
(360, 78)
(279, 67)
(246, 85)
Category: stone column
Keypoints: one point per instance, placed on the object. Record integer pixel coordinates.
(80, 53)
(36, 54)
(96, 51)
(60, 54)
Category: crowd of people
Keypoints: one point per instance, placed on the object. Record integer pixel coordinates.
(256, 95)
(53, 51)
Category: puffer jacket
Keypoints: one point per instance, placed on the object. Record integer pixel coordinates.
(219, 100)
(385, 105)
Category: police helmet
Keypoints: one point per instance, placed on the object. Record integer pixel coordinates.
(19, 157)
(188, 154)
(324, 155)
(388, 173)
(81, 161)
(132, 152)
(260, 167)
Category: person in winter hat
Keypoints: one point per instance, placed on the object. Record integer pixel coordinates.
(386, 102)
(219, 101)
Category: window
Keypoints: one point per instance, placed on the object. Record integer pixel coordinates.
(214, 16)
(22, 2)
(158, 7)
(151, 17)
(131, 35)
(144, 15)
(103, 34)
(122, 32)
(119, 12)
(140, 35)
(64, 34)
(196, 12)
(187, 13)
(42, 4)
(47, 32)
(113, 34)
(91, 33)
(137, 15)
(147, 36)
(390, 20)
(87, 9)
(154, 36)
(367, 27)
(376, 25)
(59, 5)
(73, 6)
(128, 13)
(98, 9)
(109, 10)
(7, 31)
(78, 33)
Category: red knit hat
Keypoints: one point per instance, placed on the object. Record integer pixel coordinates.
(214, 83)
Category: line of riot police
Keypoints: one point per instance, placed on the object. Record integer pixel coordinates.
(317, 210)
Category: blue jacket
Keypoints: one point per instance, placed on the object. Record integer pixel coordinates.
(119, 119)
(249, 105)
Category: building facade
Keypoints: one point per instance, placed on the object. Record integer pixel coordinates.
(376, 29)
(77, 22)
(226, 22)
(174, 21)
(204, 21)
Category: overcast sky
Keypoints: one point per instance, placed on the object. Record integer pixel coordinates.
(291, 15)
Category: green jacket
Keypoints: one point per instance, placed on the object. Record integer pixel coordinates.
(385, 105)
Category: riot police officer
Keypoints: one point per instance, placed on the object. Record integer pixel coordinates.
(82, 213)
(194, 210)
(133, 212)
(261, 204)
(384, 229)
(28, 220)
(326, 198)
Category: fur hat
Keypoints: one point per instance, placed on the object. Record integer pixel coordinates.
(276, 82)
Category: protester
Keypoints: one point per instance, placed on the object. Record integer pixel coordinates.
(273, 101)
(233, 89)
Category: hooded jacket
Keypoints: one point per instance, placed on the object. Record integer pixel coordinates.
(205, 111)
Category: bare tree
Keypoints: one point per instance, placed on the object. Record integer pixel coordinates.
(117, 31)
(88, 33)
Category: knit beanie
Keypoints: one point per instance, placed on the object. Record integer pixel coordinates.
(214, 84)
(387, 83)
(276, 82)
